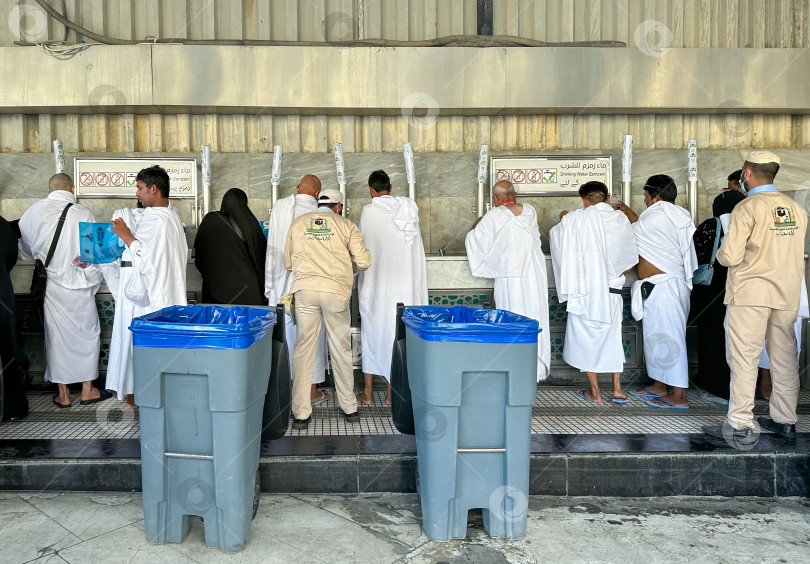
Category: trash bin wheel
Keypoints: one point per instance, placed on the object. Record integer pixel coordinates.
(256, 493)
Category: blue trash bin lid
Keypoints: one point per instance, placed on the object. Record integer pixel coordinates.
(463, 324)
(202, 327)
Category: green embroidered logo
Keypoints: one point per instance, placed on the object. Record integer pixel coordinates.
(319, 225)
(783, 217)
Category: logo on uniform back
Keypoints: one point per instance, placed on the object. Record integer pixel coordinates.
(319, 229)
(319, 225)
(783, 217)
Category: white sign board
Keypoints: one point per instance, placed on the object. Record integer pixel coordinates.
(115, 177)
(550, 175)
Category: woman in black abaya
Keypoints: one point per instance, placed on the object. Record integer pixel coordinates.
(707, 311)
(229, 252)
(15, 402)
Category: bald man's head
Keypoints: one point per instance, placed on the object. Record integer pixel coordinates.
(503, 191)
(310, 185)
(60, 181)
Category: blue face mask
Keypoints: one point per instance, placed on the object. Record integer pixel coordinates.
(98, 244)
(742, 183)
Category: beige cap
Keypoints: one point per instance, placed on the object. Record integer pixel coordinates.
(763, 157)
(330, 196)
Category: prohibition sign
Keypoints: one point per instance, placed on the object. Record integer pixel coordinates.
(86, 179)
(518, 176)
(502, 174)
(117, 179)
(102, 179)
(533, 176)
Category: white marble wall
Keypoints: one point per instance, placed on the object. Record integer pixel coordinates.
(446, 183)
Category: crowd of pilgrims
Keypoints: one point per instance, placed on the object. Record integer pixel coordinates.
(592, 250)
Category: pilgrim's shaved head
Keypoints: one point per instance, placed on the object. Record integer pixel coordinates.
(310, 184)
(60, 181)
(503, 191)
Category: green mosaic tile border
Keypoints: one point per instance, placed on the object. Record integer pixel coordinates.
(448, 300)
(106, 310)
(557, 312)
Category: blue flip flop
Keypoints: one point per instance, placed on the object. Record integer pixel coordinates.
(621, 400)
(647, 394)
(102, 395)
(666, 405)
(581, 393)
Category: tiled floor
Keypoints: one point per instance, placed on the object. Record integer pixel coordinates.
(67, 527)
(557, 411)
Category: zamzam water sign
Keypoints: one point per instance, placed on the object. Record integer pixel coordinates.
(559, 175)
(116, 178)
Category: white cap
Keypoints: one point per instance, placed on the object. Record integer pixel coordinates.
(330, 196)
(763, 157)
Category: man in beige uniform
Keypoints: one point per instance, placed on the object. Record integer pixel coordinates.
(764, 252)
(323, 251)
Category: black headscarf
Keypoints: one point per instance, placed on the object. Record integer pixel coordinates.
(706, 232)
(230, 252)
(726, 201)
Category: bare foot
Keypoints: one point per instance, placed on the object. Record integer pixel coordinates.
(318, 398)
(669, 399)
(620, 396)
(131, 400)
(650, 392)
(388, 400)
(588, 394)
(92, 394)
(365, 398)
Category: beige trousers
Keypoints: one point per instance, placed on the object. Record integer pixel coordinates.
(310, 309)
(747, 327)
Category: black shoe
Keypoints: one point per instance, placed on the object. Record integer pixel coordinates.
(729, 433)
(785, 430)
(352, 417)
(301, 424)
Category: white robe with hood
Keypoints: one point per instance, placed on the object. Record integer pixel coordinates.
(506, 248)
(591, 248)
(156, 279)
(398, 273)
(277, 279)
(664, 238)
(72, 329)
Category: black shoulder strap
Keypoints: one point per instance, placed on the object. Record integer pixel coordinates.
(235, 228)
(56, 235)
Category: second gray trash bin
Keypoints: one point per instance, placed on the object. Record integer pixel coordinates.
(201, 375)
(473, 381)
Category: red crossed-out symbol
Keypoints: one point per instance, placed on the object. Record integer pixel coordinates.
(86, 179)
(533, 176)
(518, 176)
(502, 174)
(102, 179)
(117, 179)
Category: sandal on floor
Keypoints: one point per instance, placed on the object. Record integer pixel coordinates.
(643, 393)
(583, 395)
(60, 405)
(666, 405)
(323, 398)
(625, 399)
(103, 395)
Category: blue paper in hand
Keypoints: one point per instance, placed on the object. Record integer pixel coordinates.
(98, 244)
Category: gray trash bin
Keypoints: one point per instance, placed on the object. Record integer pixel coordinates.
(201, 375)
(473, 381)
